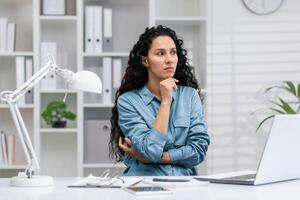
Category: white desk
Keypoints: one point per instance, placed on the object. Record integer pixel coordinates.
(286, 190)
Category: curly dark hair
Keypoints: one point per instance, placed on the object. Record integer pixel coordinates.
(136, 76)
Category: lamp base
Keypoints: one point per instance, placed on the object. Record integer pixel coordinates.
(34, 181)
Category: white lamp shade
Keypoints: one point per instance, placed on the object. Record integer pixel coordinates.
(86, 81)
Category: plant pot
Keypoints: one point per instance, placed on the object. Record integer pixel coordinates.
(59, 124)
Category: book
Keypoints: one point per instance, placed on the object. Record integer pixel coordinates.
(70, 7)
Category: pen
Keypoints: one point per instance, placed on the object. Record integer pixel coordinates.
(94, 186)
(169, 180)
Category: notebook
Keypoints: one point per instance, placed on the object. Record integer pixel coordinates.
(280, 160)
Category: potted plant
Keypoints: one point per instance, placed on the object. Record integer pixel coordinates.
(289, 104)
(56, 114)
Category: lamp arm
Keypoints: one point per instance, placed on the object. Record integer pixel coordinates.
(31, 158)
(11, 98)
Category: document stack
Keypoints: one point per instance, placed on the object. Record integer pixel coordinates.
(98, 29)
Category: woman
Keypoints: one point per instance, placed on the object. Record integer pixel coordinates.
(158, 126)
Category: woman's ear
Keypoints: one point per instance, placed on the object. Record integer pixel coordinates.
(144, 61)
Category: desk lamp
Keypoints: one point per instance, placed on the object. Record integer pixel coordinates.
(83, 80)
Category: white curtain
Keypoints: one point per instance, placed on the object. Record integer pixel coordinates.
(245, 53)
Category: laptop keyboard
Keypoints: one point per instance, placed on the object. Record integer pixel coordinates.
(242, 177)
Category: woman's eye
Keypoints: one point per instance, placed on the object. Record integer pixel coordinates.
(160, 53)
(173, 52)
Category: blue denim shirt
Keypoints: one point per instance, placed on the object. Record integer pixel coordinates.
(186, 141)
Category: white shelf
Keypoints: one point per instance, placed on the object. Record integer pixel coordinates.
(107, 54)
(17, 53)
(13, 167)
(59, 91)
(58, 18)
(58, 130)
(28, 106)
(103, 165)
(181, 20)
(98, 105)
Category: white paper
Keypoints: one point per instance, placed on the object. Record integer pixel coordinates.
(99, 181)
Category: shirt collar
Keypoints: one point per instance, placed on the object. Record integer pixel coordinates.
(147, 96)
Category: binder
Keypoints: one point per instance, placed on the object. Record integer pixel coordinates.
(28, 75)
(107, 80)
(20, 76)
(107, 34)
(89, 29)
(11, 37)
(49, 82)
(3, 34)
(117, 72)
(97, 29)
(88, 96)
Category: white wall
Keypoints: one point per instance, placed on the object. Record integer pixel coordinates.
(246, 52)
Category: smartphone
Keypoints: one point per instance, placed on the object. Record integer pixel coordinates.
(147, 190)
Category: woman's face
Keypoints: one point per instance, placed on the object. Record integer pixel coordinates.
(162, 59)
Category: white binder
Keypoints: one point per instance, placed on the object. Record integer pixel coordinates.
(11, 29)
(117, 71)
(89, 29)
(28, 75)
(20, 76)
(107, 34)
(3, 34)
(107, 80)
(49, 83)
(98, 29)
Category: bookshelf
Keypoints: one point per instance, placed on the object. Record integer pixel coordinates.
(63, 152)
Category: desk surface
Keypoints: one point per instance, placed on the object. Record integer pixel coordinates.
(284, 190)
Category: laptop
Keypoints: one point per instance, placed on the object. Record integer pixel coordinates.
(280, 160)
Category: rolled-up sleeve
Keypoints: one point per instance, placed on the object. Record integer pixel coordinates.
(194, 151)
(146, 140)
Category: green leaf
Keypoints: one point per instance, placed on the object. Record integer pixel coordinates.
(298, 91)
(286, 107)
(291, 87)
(263, 121)
(277, 110)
